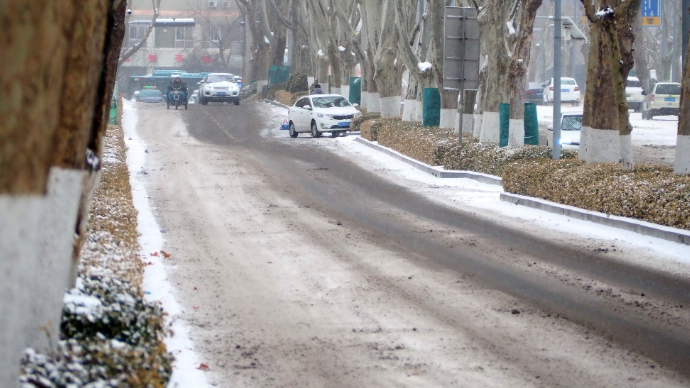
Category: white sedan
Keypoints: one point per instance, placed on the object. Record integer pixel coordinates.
(571, 128)
(321, 113)
(570, 91)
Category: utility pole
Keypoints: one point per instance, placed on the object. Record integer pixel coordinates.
(557, 81)
(686, 25)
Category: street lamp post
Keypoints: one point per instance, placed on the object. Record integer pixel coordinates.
(557, 82)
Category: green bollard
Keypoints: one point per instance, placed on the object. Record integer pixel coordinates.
(504, 111)
(531, 124)
(432, 108)
(355, 96)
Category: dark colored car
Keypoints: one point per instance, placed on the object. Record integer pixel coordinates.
(150, 95)
(534, 93)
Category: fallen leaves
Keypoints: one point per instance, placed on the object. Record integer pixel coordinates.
(204, 367)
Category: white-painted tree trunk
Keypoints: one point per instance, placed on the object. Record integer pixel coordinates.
(324, 87)
(364, 103)
(409, 110)
(419, 111)
(599, 145)
(491, 127)
(390, 106)
(682, 164)
(626, 152)
(334, 90)
(374, 102)
(468, 123)
(516, 133)
(477, 127)
(259, 86)
(345, 91)
(310, 81)
(449, 119)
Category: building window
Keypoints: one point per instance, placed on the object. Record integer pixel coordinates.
(212, 37)
(184, 37)
(137, 31)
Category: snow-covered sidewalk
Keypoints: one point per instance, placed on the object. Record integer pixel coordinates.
(186, 372)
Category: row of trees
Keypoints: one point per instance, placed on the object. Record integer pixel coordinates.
(402, 40)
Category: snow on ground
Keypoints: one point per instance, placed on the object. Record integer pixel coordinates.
(470, 195)
(662, 131)
(156, 284)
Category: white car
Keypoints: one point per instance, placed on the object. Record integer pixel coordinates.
(194, 98)
(571, 127)
(570, 91)
(662, 100)
(320, 113)
(219, 87)
(633, 93)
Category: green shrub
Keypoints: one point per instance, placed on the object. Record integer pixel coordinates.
(297, 83)
(649, 193)
(370, 129)
(356, 123)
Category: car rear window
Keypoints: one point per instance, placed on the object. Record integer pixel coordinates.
(668, 89)
(150, 93)
(565, 81)
(633, 84)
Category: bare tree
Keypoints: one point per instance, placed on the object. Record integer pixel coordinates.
(155, 4)
(218, 32)
(606, 136)
(506, 28)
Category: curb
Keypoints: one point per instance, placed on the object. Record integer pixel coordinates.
(642, 227)
(484, 178)
(276, 103)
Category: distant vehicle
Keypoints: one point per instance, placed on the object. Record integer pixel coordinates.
(238, 79)
(662, 100)
(570, 91)
(134, 96)
(633, 93)
(150, 96)
(571, 128)
(534, 93)
(160, 79)
(321, 113)
(194, 98)
(219, 87)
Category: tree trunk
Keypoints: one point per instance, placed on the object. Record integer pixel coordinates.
(640, 57)
(58, 65)
(682, 161)
(605, 136)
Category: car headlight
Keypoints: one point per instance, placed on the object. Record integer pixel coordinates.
(325, 116)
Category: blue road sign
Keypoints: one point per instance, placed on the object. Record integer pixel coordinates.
(651, 13)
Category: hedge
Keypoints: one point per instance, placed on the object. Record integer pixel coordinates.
(649, 193)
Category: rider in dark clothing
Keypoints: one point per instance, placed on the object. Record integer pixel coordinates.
(317, 89)
(177, 84)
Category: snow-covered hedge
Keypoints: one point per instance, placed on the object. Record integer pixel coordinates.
(112, 338)
(649, 193)
(356, 124)
(439, 147)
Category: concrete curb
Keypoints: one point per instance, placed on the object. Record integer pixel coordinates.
(437, 172)
(276, 103)
(633, 225)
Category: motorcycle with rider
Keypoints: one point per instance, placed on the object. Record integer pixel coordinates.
(177, 93)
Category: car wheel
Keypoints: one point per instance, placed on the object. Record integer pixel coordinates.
(237, 101)
(315, 130)
(185, 106)
(203, 101)
(293, 133)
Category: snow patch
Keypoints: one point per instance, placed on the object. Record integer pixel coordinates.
(424, 66)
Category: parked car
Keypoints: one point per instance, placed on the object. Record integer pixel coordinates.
(570, 91)
(194, 98)
(633, 93)
(238, 79)
(571, 127)
(321, 113)
(662, 100)
(534, 93)
(219, 87)
(150, 96)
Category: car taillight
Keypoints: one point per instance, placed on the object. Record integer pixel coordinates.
(577, 88)
(651, 97)
(551, 88)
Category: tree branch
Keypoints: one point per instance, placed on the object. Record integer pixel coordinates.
(127, 54)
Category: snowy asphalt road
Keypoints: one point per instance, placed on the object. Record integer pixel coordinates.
(300, 268)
